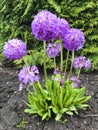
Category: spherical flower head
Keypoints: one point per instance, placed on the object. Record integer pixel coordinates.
(28, 75)
(53, 49)
(45, 26)
(74, 40)
(64, 27)
(81, 62)
(75, 81)
(14, 49)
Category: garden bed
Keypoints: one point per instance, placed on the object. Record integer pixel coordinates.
(12, 116)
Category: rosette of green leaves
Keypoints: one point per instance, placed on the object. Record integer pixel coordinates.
(56, 99)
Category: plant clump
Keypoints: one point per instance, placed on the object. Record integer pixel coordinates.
(61, 93)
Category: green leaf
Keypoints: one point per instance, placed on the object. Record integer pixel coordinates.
(27, 60)
(55, 110)
(72, 108)
(41, 94)
(48, 86)
(67, 94)
(80, 93)
(45, 116)
(69, 113)
(63, 110)
(68, 102)
(55, 5)
(41, 112)
(58, 116)
(30, 111)
(82, 106)
(29, 4)
(81, 100)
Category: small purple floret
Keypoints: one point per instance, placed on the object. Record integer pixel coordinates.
(53, 49)
(74, 40)
(56, 71)
(28, 75)
(87, 64)
(14, 49)
(45, 26)
(60, 76)
(75, 81)
(81, 62)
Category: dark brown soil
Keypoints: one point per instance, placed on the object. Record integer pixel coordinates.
(12, 106)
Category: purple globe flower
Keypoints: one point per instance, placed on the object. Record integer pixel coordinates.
(81, 62)
(64, 27)
(45, 26)
(75, 81)
(28, 75)
(53, 49)
(14, 49)
(74, 40)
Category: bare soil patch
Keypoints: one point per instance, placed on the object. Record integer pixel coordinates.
(12, 106)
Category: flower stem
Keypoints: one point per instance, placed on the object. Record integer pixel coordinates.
(45, 69)
(61, 66)
(66, 61)
(79, 72)
(70, 73)
(54, 62)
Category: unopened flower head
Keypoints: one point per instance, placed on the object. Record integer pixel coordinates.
(59, 79)
(75, 81)
(45, 26)
(82, 62)
(53, 49)
(74, 40)
(28, 75)
(60, 76)
(14, 49)
(64, 27)
(56, 71)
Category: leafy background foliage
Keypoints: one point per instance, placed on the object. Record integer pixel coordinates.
(16, 17)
